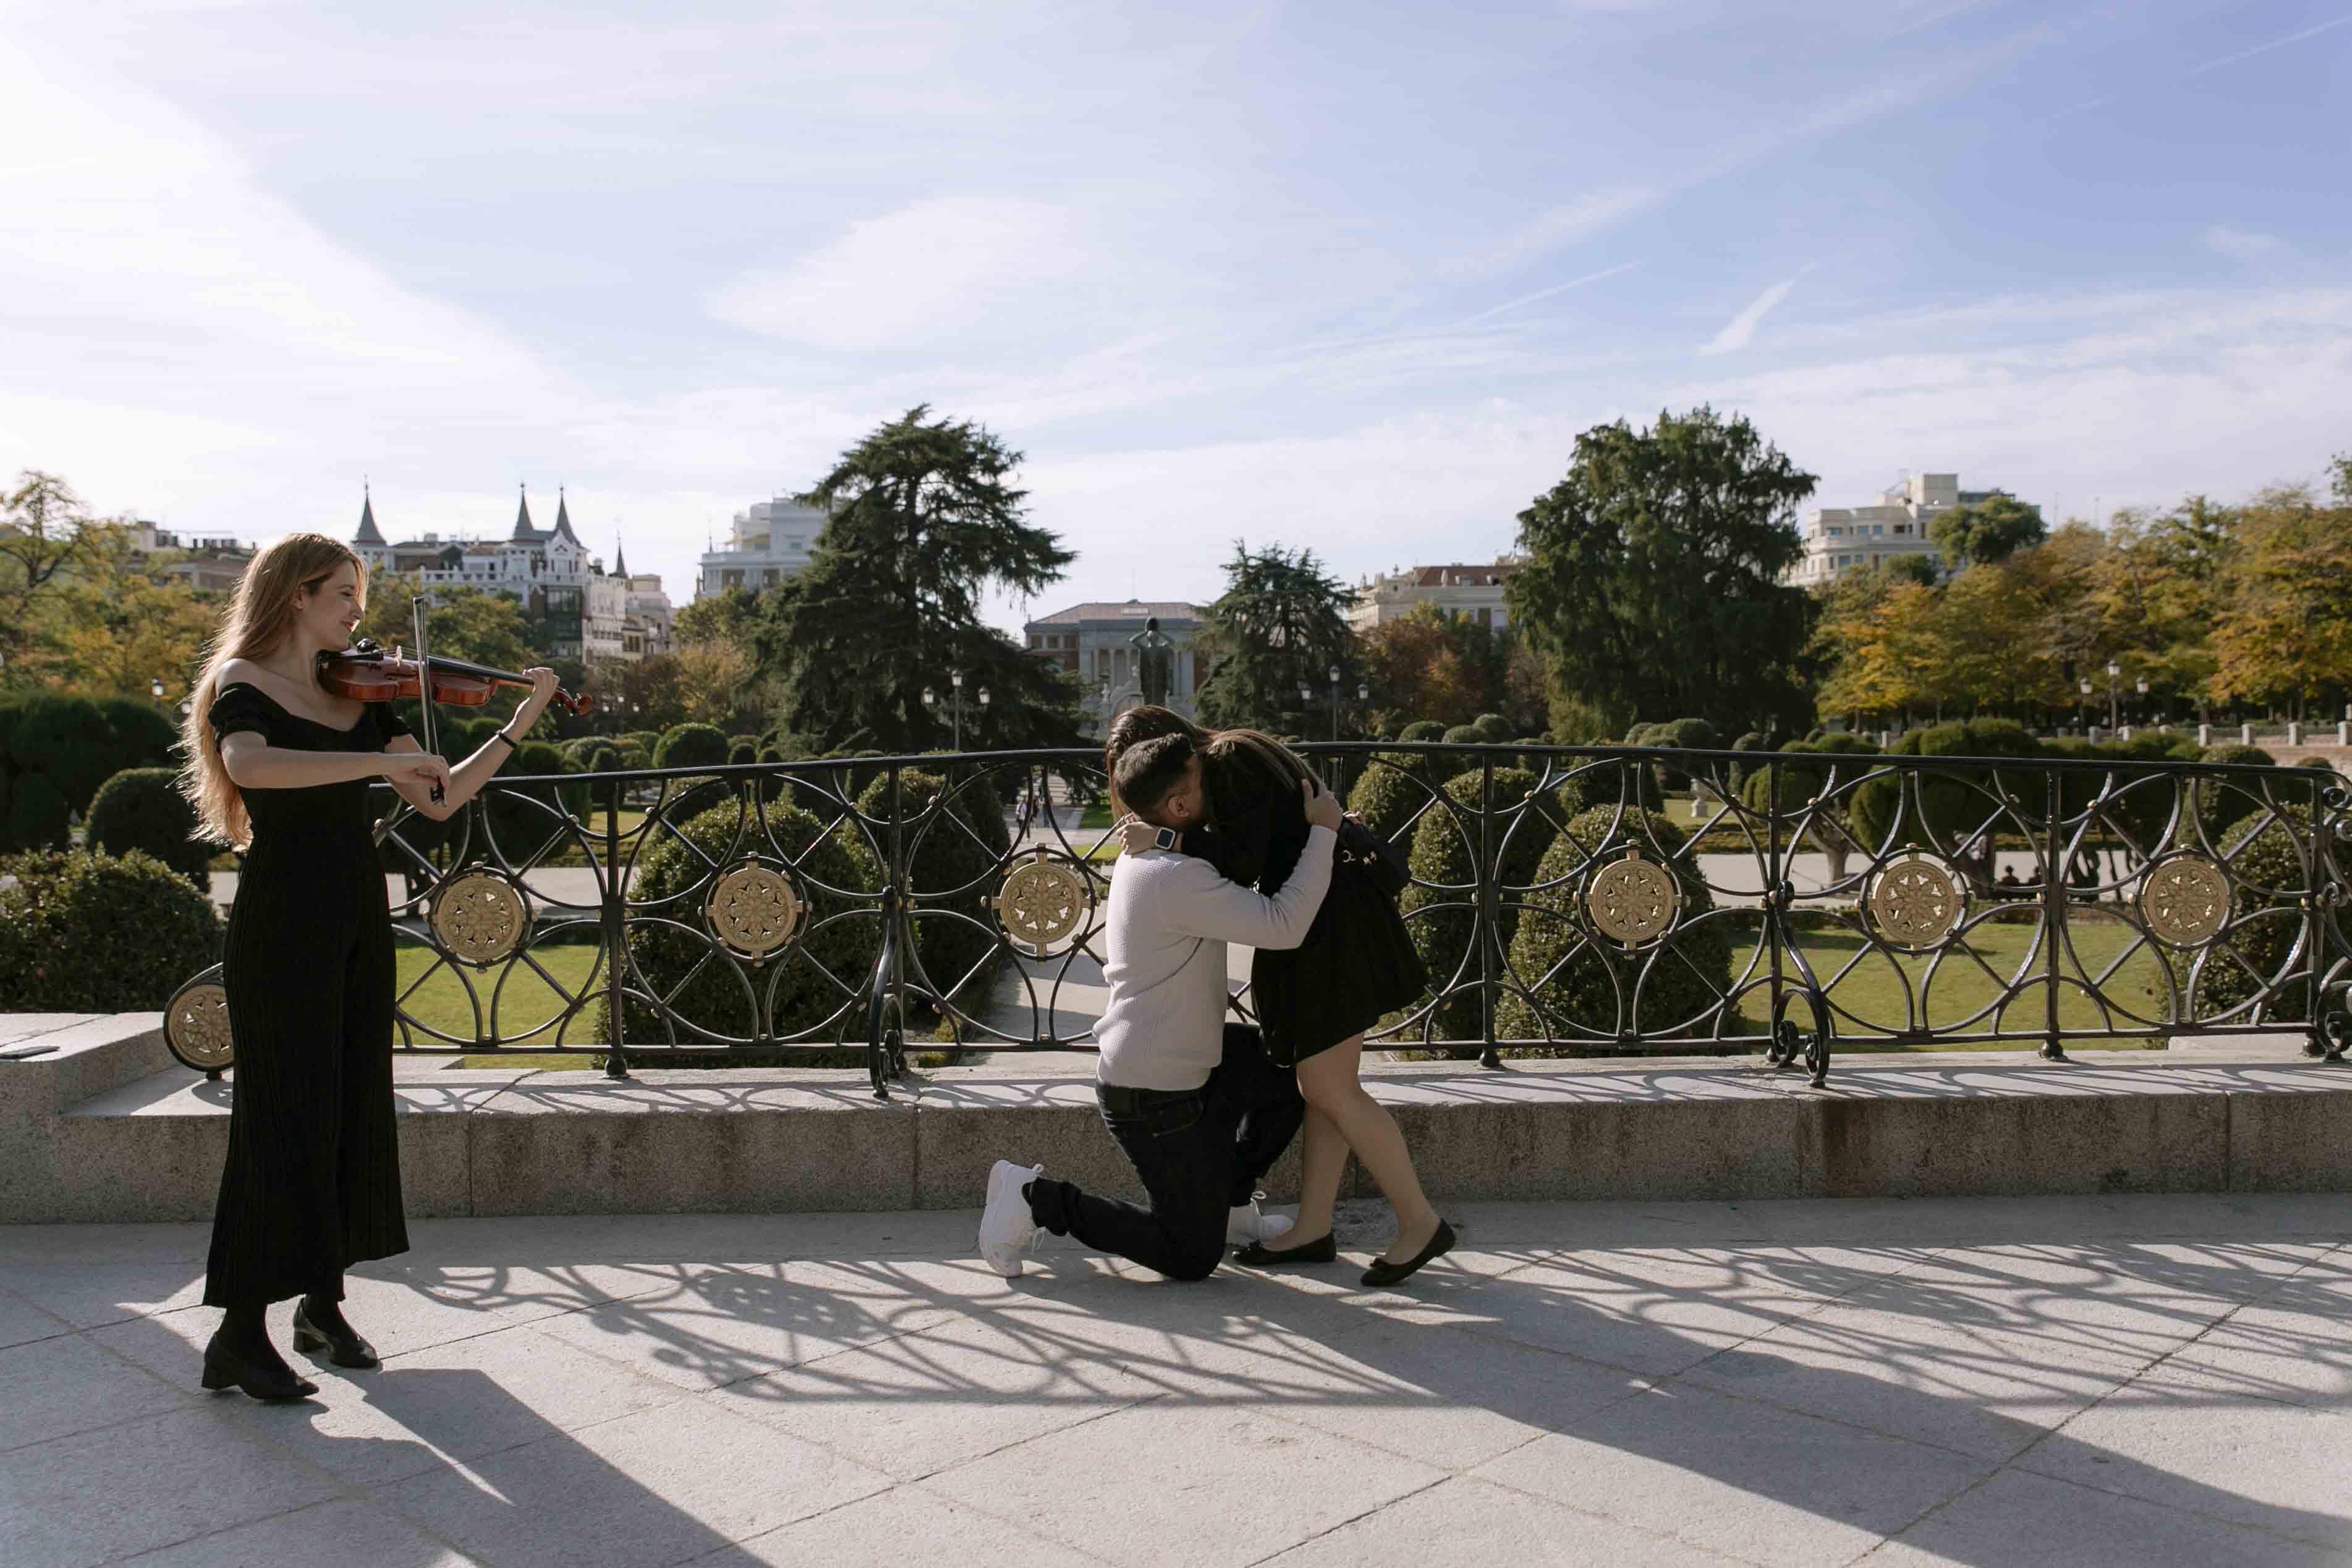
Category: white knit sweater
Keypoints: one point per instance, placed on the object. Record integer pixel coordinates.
(1164, 957)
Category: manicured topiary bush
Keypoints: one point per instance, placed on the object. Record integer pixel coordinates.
(54, 752)
(2265, 857)
(2223, 801)
(1422, 729)
(1956, 803)
(1464, 734)
(142, 808)
(741, 750)
(1392, 788)
(83, 933)
(723, 998)
(691, 746)
(1754, 740)
(1602, 988)
(1445, 849)
(527, 819)
(950, 873)
(1493, 728)
(597, 755)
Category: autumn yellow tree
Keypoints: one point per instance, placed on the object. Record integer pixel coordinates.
(2285, 632)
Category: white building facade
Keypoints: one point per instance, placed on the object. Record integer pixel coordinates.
(587, 612)
(1839, 539)
(771, 541)
(1473, 592)
(1093, 643)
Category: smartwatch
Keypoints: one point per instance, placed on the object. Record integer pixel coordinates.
(1165, 839)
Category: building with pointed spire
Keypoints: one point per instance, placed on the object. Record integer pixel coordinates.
(548, 570)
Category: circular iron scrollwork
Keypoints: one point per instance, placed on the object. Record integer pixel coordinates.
(753, 909)
(1043, 903)
(2184, 899)
(1916, 901)
(480, 916)
(1634, 901)
(195, 1027)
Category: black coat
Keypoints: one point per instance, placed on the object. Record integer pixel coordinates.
(1355, 963)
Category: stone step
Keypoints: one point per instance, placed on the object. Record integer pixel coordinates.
(519, 1142)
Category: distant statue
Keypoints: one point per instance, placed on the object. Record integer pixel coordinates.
(1155, 662)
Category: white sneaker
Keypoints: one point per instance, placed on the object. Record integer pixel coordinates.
(1006, 1231)
(1245, 1224)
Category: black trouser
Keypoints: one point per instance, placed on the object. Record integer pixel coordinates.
(1200, 1153)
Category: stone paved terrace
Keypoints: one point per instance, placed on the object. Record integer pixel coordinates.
(2141, 1380)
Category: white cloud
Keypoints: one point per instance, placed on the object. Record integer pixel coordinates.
(949, 269)
(1741, 327)
(2243, 245)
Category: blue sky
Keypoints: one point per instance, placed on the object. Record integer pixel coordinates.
(1350, 276)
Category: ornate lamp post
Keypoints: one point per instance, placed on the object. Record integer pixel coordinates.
(2079, 716)
(2113, 670)
(1334, 673)
(955, 682)
(2141, 687)
(155, 688)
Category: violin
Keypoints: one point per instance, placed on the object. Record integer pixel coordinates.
(365, 672)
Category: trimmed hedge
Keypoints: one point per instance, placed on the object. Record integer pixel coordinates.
(54, 752)
(1444, 850)
(142, 808)
(1422, 729)
(83, 933)
(691, 746)
(1392, 788)
(1955, 804)
(946, 860)
(721, 997)
(1493, 728)
(1602, 988)
(2265, 855)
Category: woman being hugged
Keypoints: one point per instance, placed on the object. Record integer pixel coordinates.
(1239, 807)
(280, 766)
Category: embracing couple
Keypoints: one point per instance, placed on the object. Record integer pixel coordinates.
(1232, 839)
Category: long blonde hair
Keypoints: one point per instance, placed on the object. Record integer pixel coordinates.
(258, 619)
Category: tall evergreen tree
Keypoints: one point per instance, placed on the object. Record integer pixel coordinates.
(1281, 624)
(921, 520)
(1653, 574)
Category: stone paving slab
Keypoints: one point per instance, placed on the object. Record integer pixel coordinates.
(2094, 1379)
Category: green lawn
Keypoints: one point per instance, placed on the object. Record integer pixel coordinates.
(525, 1002)
(1876, 994)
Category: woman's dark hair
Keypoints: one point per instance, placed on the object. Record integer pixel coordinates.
(1150, 768)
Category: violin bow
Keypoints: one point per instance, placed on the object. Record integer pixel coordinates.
(424, 680)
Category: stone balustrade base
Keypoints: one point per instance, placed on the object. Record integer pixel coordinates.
(106, 1128)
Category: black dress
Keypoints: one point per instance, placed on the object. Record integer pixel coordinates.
(312, 1183)
(1344, 975)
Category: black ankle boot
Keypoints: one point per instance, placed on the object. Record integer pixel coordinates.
(319, 1326)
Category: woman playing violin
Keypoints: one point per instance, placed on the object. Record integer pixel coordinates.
(280, 763)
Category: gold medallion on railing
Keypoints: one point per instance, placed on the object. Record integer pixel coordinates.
(1634, 901)
(1916, 901)
(1043, 903)
(195, 1027)
(753, 908)
(480, 916)
(2184, 899)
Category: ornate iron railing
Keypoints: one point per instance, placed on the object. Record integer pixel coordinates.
(1567, 901)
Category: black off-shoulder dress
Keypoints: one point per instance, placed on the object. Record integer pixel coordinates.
(313, 1182)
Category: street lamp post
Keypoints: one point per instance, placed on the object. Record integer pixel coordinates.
(155, 688)
(955, 683)
(2140, 685)
(1334, 673)
(2080, 717)
(2113, 670)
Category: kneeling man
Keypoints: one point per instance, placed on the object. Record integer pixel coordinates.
(1201, 1111)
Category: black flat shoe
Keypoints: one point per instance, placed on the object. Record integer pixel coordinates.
(226, 1369)
(1258, 1255)
(345, 1349)
(1383, 1272)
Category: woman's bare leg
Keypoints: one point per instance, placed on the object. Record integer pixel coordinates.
(1322, 1158)
(1329, 1081)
